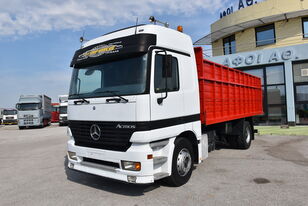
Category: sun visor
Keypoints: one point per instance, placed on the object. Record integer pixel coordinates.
(114, 49)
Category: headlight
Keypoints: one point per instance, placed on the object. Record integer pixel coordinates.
(72, 155)
(132, 166)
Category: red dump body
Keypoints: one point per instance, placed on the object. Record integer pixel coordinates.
(55, 112)
(226, 93)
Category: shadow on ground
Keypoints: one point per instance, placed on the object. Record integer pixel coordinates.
(109, 185)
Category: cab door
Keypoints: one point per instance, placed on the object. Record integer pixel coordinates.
(166, 106)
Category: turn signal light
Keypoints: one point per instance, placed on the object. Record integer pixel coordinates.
(132, 166)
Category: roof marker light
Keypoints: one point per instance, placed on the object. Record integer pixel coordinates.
(180, 28)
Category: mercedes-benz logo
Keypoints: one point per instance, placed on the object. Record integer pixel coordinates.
(95, 132)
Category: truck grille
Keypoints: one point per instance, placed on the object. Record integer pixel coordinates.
(113, 135)
(28, 119)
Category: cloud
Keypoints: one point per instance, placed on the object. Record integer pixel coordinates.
(21, 17)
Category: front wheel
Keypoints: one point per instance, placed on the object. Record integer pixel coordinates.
(182, 163)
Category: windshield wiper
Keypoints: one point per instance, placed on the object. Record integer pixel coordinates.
(83, 100)
(115, 94)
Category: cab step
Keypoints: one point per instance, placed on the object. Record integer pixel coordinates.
(159, 160)
(160, 175)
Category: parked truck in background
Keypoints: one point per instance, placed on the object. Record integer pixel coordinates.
(144, 105)
(1, 115)
(34, 111)
(55, 113)
(63, 100)
(9, 116)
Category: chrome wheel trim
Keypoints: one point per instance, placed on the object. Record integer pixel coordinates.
(248, 136)
(184, 162)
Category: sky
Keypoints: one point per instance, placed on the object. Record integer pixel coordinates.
(38, 38)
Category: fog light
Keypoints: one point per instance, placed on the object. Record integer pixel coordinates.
(70, 165)
(131, 179)
(72, 155)
(133, 166)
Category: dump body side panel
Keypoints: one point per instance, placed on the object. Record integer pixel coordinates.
(226, 93)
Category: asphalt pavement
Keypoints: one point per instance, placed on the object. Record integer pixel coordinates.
(274, 171)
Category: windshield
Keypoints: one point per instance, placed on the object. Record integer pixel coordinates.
(9, 112)
(123, 77)
(55, 109)
(63, 110)
(28, 106)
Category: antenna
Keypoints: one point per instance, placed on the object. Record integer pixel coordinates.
(136, 25)
(82, 39)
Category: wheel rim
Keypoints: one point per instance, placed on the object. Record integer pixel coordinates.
(183, 162)
(248, 137)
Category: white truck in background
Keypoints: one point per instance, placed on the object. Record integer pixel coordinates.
(1, 115)
(9, 116)
(34, 111)
(63, 100)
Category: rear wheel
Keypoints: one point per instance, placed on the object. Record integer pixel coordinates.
(21, 127)
(243, 141)
(182, 163)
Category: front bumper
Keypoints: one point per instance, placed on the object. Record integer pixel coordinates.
(137, 153)
(23, 122)
(9, 121)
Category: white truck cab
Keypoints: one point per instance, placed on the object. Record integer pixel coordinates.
(123, 122)
(63, 102)
(9, 116)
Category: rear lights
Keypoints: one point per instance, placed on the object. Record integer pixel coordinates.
(132, 166)
(72, 155)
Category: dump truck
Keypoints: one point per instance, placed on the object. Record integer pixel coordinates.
(145, 105)
(55, 112)
(9, 116)
(63, 100)
(34, 111)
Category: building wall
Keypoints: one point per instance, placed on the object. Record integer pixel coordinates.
(286, 56)
(257, 11)
(288, 32)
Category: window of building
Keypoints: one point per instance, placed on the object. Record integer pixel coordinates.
(305, 27)
(300, 75)
(265, 35)
(274, 94)
(229, 45)
(160, 78)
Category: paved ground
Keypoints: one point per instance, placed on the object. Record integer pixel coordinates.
(33, 172)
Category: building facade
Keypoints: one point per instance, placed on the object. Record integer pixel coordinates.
(269, 40)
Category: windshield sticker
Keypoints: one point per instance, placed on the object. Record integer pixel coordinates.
(100, 50)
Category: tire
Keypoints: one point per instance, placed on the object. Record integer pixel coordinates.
(211, 141)
(182, 156)
(243, 141)
(20, 127)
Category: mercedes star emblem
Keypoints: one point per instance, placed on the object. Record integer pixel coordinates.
(95, 132)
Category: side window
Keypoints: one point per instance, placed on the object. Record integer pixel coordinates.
(160, 78)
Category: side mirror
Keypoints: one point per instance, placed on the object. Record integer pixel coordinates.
(167, 66)
(166, 73)
(17, 106)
